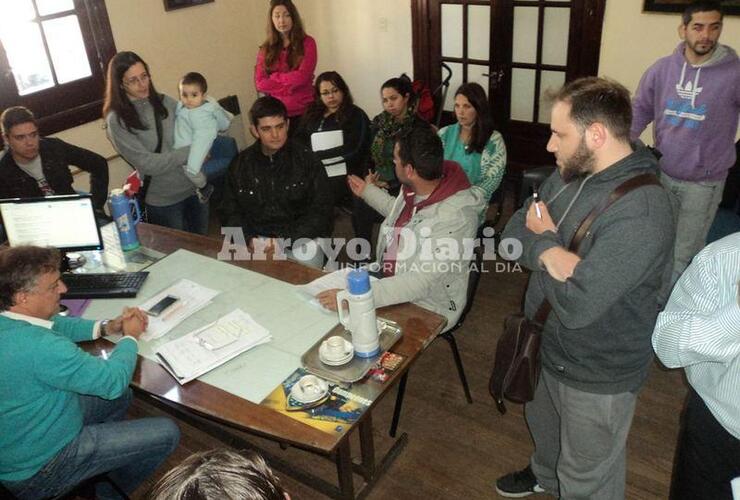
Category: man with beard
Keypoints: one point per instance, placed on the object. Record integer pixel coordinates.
(693, 99)
(596, 348)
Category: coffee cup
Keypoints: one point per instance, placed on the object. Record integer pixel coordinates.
(336, 347)
(310, 385)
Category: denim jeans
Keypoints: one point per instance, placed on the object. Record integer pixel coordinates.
(188, 215)
(127, 450)
(223, 151)
(697, 206)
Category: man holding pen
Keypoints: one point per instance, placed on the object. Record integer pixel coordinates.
(62, 410)
(596, 348)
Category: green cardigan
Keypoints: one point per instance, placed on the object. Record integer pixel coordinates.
(42, 372)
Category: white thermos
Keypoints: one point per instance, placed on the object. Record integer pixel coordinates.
(361, 319)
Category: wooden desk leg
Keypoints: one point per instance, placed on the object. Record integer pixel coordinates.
(344, 471)
(367, 448)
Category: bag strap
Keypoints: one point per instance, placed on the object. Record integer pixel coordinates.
(626, 187)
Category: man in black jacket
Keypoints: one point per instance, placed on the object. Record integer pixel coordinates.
(35, 166)
(277, 191)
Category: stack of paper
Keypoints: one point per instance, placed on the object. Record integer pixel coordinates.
(336, 279)
(192, 298)
(204, 349)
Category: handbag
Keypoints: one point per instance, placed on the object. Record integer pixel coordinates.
(516, 367)
(134, 185)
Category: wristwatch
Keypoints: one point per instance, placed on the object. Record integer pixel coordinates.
(104, 327)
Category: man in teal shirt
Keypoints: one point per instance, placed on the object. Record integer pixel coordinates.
(62, 410)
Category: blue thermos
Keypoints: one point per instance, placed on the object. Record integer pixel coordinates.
(120, 210)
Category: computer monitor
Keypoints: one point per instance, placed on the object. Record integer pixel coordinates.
(65, 222)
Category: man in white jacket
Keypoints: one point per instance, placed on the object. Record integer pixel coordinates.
(422, 242)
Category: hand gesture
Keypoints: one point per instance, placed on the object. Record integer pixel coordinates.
(539, 223)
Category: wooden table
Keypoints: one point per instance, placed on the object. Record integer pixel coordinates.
(215, 411)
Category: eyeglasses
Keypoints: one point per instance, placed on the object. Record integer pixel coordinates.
(143, 78)
(327, 93)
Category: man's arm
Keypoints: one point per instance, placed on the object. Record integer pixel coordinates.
(696, 326)
(626, 247)
(95, 165)
(643, 105)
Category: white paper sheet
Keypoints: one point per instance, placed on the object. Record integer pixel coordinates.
(191, 355)
(321, 141)
(335, 166)
(193, 297)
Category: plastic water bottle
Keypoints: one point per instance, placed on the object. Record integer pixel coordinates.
(361, 320)
(120, 210)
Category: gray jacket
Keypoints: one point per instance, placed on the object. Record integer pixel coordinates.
(169, 184)
(597, 337)
(423, 281)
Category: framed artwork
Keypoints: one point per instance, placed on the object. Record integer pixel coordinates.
(730, 7)
(179, 4)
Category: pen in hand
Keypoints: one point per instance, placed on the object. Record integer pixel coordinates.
(536, 200)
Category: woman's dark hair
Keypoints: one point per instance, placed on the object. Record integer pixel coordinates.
(273, 45)
(317, 108)
(116, 99)
(402, 85)
(194, 78)
(20, 268)
(483, 127)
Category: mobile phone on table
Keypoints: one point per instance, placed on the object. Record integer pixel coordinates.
(162, 305)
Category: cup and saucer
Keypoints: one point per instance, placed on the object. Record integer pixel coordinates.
(336, 351)
(309, 389)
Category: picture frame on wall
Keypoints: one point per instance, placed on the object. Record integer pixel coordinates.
(181, 4)
(729, 7)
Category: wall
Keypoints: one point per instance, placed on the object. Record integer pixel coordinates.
(367, 42)
(218, 39)
(633, 40)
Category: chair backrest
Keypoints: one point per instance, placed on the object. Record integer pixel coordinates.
(532, 177)
(475, 265)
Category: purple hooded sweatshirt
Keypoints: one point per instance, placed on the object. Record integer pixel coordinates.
(695, 110)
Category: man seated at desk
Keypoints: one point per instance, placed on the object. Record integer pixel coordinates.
(62, 410)
(277, 189)
(420, 245)
(34, 166)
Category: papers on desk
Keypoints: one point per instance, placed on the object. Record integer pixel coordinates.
(202, 350)
(336, 279)
(192, 298)
(321, 141)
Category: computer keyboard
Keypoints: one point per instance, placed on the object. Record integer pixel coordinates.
(103, 286)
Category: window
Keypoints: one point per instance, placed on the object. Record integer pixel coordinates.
(53, 56)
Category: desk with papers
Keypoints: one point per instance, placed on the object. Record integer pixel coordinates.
(233, 395)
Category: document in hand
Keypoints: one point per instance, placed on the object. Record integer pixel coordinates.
(209, 347)
(192, 298)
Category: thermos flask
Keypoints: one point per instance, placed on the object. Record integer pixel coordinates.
(361, 319)
(121, 211)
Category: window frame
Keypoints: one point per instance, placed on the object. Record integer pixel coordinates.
(73, 103)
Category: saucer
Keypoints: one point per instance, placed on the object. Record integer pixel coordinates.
(325, 357)
(309, 389)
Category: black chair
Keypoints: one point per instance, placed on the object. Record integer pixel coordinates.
(532, 177)
(475, 271)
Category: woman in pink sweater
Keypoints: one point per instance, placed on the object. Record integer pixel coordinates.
(286, 60)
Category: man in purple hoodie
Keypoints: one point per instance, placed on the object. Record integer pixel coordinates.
(693, 97)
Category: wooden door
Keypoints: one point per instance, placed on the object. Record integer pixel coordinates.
(517, 50)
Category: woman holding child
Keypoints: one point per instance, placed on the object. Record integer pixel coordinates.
(332, 110)
(286, 60)
(472, 142)
(140, 125)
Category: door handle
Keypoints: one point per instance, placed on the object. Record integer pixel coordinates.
(496, 77)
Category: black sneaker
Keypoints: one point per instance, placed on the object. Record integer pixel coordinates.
(204, 193)
(518, 484)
